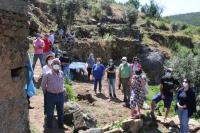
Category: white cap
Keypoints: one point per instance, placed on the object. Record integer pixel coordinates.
(124, 58)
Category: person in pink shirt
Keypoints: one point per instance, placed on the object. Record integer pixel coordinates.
(38, 45)
(136, 66)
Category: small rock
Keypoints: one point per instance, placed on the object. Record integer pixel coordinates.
(115, 131)
(106, 128)
(92, 130)
(86, 96)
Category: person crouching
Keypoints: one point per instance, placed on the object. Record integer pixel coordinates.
(53, 88)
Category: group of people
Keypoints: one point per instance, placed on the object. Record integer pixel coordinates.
(43, 46)
(131, 77)
(66, 39)
(135, 87)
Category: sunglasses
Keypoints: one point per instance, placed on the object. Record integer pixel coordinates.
(185, 81)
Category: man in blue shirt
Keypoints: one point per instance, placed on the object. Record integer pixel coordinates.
(98, 71)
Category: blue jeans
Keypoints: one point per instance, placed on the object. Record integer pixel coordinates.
(167, 101)
(35, 58)
(111, 83)
(53, 100)
(97, 81)
(184, 119)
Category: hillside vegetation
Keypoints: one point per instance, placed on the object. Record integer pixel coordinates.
(114, 30)
(189, 18)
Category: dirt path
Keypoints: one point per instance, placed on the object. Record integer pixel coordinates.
(106, 110)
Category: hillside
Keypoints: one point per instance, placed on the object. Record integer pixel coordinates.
(189, 18)
(103, 30)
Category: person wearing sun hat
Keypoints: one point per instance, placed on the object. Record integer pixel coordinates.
(125, 73)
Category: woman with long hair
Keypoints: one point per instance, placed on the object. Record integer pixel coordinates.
(185, 105)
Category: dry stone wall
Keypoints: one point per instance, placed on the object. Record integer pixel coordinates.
(13, 47)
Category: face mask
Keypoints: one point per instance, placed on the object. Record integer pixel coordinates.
(185, 84)
(98, 62)
(123, 62)
(168, 74)
(56, 67)
(49, 62)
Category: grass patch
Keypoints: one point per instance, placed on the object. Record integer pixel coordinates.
(146, 40)
(71, 95)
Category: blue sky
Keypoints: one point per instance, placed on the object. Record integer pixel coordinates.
(172, 7)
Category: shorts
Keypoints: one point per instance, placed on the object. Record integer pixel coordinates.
(167, 101)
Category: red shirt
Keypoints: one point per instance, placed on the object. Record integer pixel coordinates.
(47, 45)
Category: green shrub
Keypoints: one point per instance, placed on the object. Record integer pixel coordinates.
(108, 37)
(186, 64)
(71, 95)
(117, 124)
(176, 26)
(163, 26)
(131, 14)
(153, 10)
(134, 3)
(192, 30)
(106, 3)
(96, 12)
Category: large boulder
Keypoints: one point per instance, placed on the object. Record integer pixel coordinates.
(69, 109)
(152, 63)
(84, 120)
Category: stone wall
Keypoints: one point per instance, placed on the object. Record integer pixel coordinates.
(13, 47)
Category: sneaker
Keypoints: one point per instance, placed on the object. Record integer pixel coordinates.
(110, 95)
(63, 127)
(115, 96)
(126, 105)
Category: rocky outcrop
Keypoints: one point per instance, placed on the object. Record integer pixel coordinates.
(69, 109)
(169, 40)
(13, 73)
(118, 30)
(115, 49)
(84, 120)
(131, 125)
